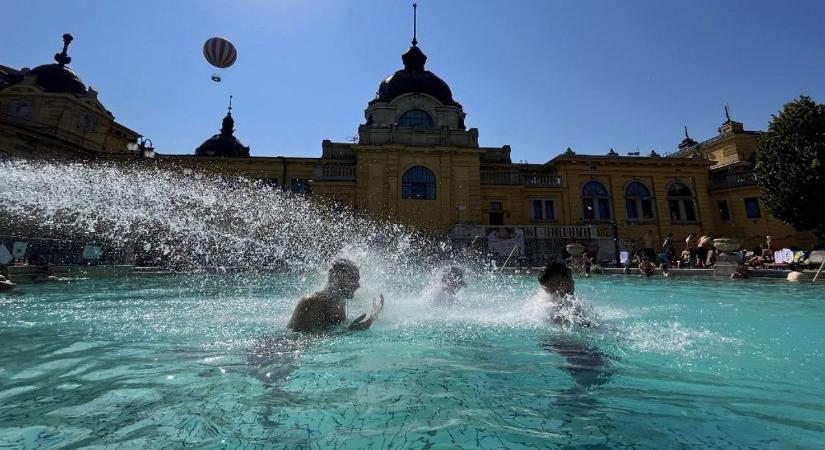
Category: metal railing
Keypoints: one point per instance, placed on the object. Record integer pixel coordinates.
(335, 172)
(732, 180)
(571, 232)
(513, 177)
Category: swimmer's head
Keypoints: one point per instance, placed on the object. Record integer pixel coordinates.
(344, 277)
(556, 279)
(452, 280)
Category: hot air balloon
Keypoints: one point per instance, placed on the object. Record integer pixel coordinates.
(220, 53)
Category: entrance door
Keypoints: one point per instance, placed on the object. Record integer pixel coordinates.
(497, 218)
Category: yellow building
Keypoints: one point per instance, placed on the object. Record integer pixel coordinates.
(415, 162)
(48, 112)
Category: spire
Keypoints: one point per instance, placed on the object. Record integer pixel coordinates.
(414, 58)
(686, 133)
(415, 17)
(63, 58)
(687, 141)
(727, 112)
(228, 124)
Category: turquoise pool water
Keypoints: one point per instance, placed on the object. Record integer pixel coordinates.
(203, 361)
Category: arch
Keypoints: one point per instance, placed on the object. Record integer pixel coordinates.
(681, 202)
(595, 201)
(416, 118)
(638, 201)
(418, 183)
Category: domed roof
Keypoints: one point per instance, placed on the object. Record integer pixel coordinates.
(224, 143)
(58, 78)
(414, 79)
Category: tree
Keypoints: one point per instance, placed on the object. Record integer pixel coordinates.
(790, 165)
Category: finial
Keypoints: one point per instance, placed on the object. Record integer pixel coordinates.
(415, 17)
(727, 112)
(686, 133)
(63, 58)
(230, 105)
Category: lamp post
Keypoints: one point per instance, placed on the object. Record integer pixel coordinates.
(143, 147)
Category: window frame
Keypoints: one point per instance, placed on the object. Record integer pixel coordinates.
(411, 189)
(542, 204)
(755, 202)
(639, 202)
(681, 201)
(596, 202)
(416, 118)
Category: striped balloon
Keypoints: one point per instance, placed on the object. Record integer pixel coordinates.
(219, 52)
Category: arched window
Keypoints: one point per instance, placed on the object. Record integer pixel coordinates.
(418, 183)
(638, 201)
(681, 203)
(415, 118)
(595, 201)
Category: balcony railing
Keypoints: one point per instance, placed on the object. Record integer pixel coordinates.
(728, 181)
(512, 177)
(335, 172)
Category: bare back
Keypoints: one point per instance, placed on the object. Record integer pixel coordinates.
(317, 310)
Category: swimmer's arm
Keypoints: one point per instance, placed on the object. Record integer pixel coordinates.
(305, 315)
(363, 322)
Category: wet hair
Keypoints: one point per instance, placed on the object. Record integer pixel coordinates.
(554, 270)
(342, 265)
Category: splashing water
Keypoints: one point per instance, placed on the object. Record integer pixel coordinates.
(188, 221)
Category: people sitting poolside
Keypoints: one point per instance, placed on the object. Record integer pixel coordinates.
(684, 259)
(646, 268)
(557, 281)
(760, 257)
(328, 306)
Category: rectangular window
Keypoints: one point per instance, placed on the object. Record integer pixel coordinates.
(690, 210)
(724, 213)
(495, 206)
(752, 208)
(549, 210)
(587, 205)
(544, 209)
(675, 212)
(300, 186)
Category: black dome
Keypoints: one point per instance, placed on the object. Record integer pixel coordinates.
(58, 78)
(414, 79)
(224, 143)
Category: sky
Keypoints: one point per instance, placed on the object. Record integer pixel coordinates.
(539, 76)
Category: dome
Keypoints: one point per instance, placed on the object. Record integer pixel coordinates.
(58, 78)
(414, 79)
(224, 143)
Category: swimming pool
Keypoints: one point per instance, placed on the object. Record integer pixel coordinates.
(204, 361)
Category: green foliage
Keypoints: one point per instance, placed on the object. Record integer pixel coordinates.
(791, 165)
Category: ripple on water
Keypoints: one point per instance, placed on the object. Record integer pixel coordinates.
(111, 402)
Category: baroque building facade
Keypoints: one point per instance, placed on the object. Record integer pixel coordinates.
(415, 162)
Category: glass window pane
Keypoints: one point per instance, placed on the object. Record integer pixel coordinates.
(418, 183)
(647, 208)
(675, 213)
(415, 118)
(632, 211)
(724, 213)
(690, 210)
(604, 209)
(752, 208)
(549, 212)
(588, 210)
(537, 209)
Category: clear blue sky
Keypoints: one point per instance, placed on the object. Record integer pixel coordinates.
(540, 75)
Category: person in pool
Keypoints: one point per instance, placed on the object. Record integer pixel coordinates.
(452, 281)
(646, 268)
(328, 306)
(557, 280)
(5, 279)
